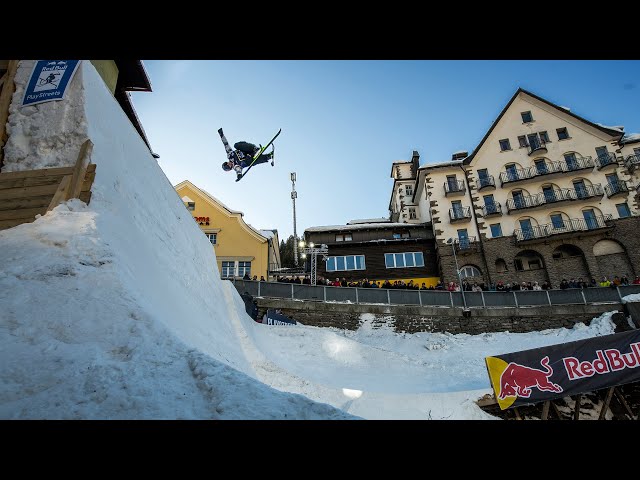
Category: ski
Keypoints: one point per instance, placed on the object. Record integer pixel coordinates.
(257, 155)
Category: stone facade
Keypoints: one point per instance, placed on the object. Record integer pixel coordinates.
(414, 319)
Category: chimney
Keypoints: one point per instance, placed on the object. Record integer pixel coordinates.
(459, 155)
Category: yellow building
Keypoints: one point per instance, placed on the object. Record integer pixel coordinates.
(239, 247)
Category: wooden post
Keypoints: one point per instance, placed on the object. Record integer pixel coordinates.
(6, 93)
(517, 413)
(576, 412)
(556, 410)
(61, 193)
(80, 170)
(545, 410)
(607, 400)
(624, 403)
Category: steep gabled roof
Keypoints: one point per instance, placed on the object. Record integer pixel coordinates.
(608, 131)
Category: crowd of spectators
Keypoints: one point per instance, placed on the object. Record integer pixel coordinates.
(467, 286)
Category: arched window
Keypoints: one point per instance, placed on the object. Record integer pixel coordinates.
(469, 271)
(501, 265)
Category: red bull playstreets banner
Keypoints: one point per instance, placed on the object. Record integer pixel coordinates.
(556, 371)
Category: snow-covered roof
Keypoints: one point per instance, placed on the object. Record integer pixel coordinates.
(267, 233)
(450, 163)
(368, 220)
(565, 108)
(187, 199)
(619, 128)
(460, 151)
(630, 138)
(364, 226)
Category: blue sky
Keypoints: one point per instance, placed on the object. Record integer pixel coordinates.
(344, 123)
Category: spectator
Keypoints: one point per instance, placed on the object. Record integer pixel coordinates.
(605, 282)
(546, 285)
(535, 286)
(423, 286)
(572, 283)
(500, 287)
(523, 286)
(476, 288)
(336, 282)
(515, 286)
(343, 282)
(564, 284)
(374, 284)
(616, 281)
(246, 276)
(255, 278)
(262, 278)
(636, 281)
(624, 280)
(593, 282)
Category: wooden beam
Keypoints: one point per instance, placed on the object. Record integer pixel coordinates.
(80, 169)
(576, 411)
(605, 406)
(545, 410)
(624, 403)
(25, 192)
(4, 224)
(61, 193)
(22, 213)
(41, 172)
(31, 202)
(6, 93)
(556, 410)
(517, 413)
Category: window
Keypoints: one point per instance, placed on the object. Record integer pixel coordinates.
(623, 210)
(244, 267)
(549, 194)
(463, 238)
(526, 117)
(602, 152)
(456, 206)
(348, 262)
(523, 141)
(412, 213)
(490, 204)
(541, 167)
(496, 230)
(191, 206)
(512, 172)
(344, 237)
(409, 190)
(469, 271)
(483, 178)
(213, 238)
(518, 199)
(402, 260)
(397, 235)
(571, 161)
(504, 144)
(501, 266)
(534, 141)
(535, 264)
(614, 181)
(563, 134)
(581, 189)
(452, 183)
(544, 136)
(228, 269)
(556, 221)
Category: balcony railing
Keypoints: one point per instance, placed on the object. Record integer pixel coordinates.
(456, 186)
(491, 209)
(632, 162)
(616, 188)
(606, 160)
(466, 244)
(460, 214)
(536, 146)
(567, 226)
(546, 168)
(485, 182)
(555, 196)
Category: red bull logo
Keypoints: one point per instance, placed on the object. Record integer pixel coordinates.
(513, 380)
(518, 380)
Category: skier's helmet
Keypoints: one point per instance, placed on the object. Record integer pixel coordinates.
(225, 166)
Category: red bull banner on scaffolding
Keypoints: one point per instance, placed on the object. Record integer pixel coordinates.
(557, 371)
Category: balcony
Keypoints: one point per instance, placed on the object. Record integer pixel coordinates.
(537, 146)
(554, 197)
(568, 227)
(454, 187)
(491, 210)
(466, 245)
(632, 162)
(617, 188)
(545, 170)
(486, 182)
(462, 214)
(603, 161)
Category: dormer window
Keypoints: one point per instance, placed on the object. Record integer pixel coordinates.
(526, 117)
(191, 206)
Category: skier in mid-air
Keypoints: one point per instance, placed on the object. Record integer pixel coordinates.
(243, 156)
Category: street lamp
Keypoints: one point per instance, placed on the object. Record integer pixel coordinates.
(465, 311)
(314, 252)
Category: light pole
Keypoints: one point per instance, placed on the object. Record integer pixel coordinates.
(464, 300)
(294, 195)
(314, 251)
